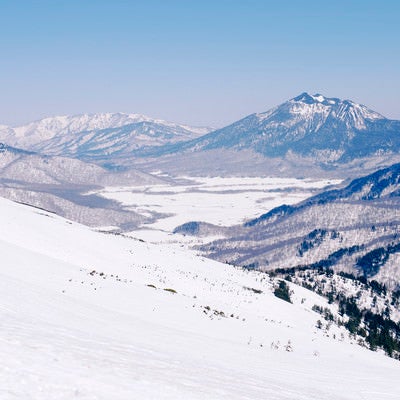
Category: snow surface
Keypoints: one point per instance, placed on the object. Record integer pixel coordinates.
(216, 200)
(79, 321)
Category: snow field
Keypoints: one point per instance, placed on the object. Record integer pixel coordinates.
(219, 201)
(80, 321)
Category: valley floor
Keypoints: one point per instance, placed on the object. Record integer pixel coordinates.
(215, 200)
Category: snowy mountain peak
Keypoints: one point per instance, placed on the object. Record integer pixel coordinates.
(316, 98)
(309, 113)
(322, 129)
(308, 99)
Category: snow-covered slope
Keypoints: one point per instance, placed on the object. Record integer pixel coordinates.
(304, 133)
(96, 137)
(94, 316)
(60, 184)
(24, 166)
(327, 129)
(355, 229)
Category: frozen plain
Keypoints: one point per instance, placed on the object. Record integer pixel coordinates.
(80, 321)
(220, 201)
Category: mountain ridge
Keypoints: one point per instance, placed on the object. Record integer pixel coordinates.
(308, 134)
(354, 229)
(63, 185)
(90, 136)
(308, 125)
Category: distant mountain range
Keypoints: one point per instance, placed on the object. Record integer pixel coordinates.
(309, 135)
(355, 229)
(97, 137)
(308, 130)
(327, 129)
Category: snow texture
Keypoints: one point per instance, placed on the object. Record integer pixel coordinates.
(93, 316)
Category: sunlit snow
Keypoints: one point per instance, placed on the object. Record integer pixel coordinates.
(87, 315)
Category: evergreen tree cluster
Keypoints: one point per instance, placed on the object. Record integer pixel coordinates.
(371, 262)
(374, 327)
(282, 291)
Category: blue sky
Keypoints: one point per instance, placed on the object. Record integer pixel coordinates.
(198, 62)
